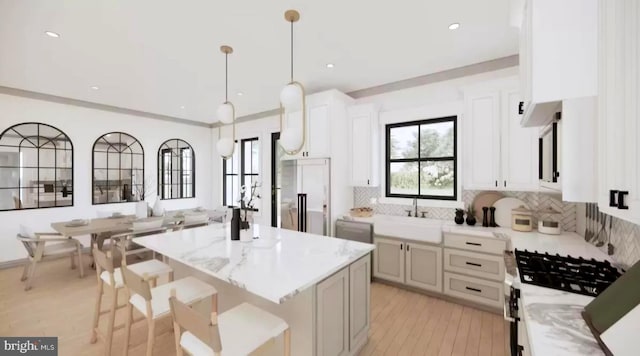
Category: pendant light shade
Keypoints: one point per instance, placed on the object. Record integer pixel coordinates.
(225, 147)
(291, 139)
(291, 97)
(226, 113)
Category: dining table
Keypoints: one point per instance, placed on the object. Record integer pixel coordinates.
(120, 223)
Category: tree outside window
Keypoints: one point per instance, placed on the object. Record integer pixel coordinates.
(421, 159)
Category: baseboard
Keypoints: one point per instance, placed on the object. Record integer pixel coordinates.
(442, 296)
(22, 261)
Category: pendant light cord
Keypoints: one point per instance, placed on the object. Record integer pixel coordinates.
(226, 77)
(292, 51)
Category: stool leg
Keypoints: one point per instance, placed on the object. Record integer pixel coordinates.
(287, 342)
(214, 303)
(177, 335)
(127, 328)
(80, 262)
(25, 271)
(151, 336)
(96, 313)
(73, 260)
(112, 319)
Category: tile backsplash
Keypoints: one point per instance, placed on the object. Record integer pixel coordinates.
(625, 237)
(362, 197)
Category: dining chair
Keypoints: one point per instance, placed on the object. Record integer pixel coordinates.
(125, 241)
(238, 331)
(39, 247)
(194, 220)
(153, 302)
(110, 279)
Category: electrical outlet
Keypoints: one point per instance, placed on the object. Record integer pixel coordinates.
(610, 249)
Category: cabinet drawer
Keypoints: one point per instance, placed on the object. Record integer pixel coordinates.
(473, 289)
(473, 243)
(474, 264)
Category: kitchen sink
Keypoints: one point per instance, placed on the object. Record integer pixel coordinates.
(418, 229)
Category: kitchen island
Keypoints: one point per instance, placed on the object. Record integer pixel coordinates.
(319, 285)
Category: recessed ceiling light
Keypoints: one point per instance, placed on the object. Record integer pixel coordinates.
(454, 26)
(240, 93)
(182, 107)
(52, 34)
(330, 65)
(95, 87)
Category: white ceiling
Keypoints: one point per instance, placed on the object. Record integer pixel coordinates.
(158, 55)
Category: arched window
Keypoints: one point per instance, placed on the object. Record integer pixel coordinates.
(118, 169)
(36, 167)
(176, 170)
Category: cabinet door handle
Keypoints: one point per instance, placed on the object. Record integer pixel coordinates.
(400, 246)
(407, 247)
(521, 108)
(473, 264)
(612, 198)
(505, 183)
(496, 183)
(473, 243)
(367, 182)
(621, 195)
(474, 289)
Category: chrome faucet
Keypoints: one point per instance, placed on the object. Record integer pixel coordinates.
(415, 207)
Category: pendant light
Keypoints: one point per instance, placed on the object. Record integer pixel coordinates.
(292, 98)
(226, 112)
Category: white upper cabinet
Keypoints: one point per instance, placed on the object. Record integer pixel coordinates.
(519, 147)
(558, 55)
(482, 140)
(317, 143)
(364, 145)
(498, 153)
(619, 95)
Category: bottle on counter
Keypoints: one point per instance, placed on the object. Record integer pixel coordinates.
(235, 224)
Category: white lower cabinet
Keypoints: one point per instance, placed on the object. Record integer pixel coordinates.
(474, 289)
(343, 310)
(407, 262)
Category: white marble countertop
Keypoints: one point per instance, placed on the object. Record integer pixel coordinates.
(275, 266)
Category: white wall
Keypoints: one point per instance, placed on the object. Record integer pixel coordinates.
(84, 126)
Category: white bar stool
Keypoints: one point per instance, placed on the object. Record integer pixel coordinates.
(238, 331)
(153, 303)
(112, 278)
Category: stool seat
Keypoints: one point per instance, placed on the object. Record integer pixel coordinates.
(152, 268)
(243, 329)
(189, 290)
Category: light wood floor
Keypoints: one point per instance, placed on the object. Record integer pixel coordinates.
(403, 323)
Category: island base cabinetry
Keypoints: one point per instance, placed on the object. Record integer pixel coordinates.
(343, 310)
(407, 262)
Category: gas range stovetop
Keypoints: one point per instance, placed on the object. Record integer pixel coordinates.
(571, 274)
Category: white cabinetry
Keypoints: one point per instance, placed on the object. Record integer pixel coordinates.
(619, 94)
(318, 126)
(499, 154)
(364, 145)
(414, 264)
(343, 310)
(558, 55)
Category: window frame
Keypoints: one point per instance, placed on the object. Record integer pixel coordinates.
(162, 150)
(55, 168)
(241, 171)
(418, 160)
(93, 166)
